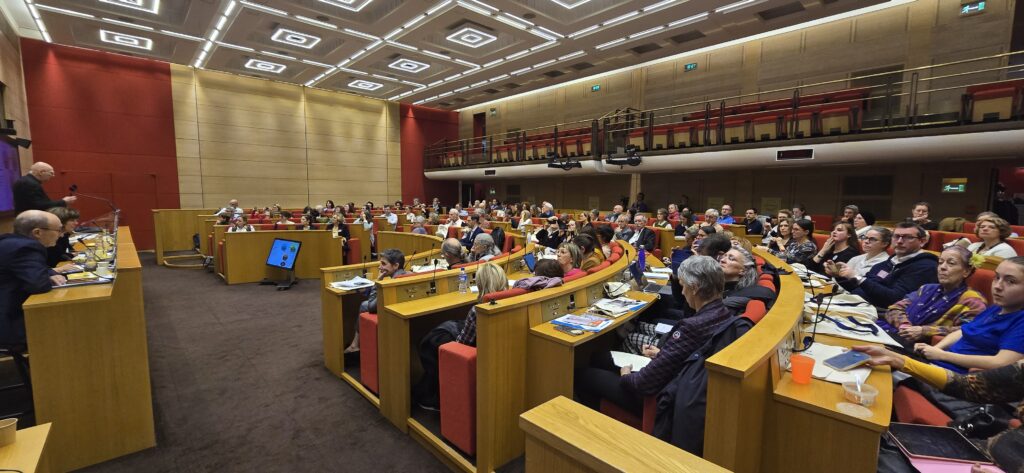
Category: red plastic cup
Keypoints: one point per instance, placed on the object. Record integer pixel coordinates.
(802, 366)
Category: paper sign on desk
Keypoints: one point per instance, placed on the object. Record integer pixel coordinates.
(662, 270)
(354, 283)
(638, 362)
(821, 352)
(656, 275)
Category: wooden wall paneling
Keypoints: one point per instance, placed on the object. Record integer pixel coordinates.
(186, 137)
(394, 152)
(15, 97)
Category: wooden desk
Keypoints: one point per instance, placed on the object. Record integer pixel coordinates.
(409, 243)
(174, 229)
(205, 225)
(245, 254)
(567, 437)
(90, 366)
(28, 453)
(551, 359)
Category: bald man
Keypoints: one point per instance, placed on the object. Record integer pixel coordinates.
(29, 193)
(25, 271)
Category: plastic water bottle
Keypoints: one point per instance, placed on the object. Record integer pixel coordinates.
(463, 281)
(641, 259)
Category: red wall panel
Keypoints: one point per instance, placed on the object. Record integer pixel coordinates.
(422, 126)
(106, 123)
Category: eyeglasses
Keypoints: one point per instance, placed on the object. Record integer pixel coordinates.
(905, 237)
(870, 239)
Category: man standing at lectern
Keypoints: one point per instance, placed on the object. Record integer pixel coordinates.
(29, 193)
(25, 271)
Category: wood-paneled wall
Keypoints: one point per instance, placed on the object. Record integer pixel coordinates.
(15, 104)
(925, 32)
(265, 142)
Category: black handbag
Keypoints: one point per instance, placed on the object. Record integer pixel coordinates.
(981, 422)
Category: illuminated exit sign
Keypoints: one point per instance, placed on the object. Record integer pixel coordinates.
(690, 67)
(595, 88)
(972, 8)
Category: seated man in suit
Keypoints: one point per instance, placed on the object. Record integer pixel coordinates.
(614, 215)
(642, 236)
(473, 230)
(392, 263)
(904, 272)
(622, 230)
(25, 271)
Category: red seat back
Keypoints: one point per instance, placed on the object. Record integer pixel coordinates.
(497, 296)
(457, 376)
(981, 281)
(820, 239)
(1017, 244)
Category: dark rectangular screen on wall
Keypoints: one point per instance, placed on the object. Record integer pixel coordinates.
(10, 171)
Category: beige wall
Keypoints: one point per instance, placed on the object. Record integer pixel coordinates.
(266, 142)
(922, 33)
(15, 105)
(818, 188)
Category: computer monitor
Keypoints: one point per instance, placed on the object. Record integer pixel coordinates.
(283, 253)
(531, 261)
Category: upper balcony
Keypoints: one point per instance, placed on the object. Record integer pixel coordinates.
(961, 109)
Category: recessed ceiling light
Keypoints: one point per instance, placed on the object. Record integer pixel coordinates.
(352, 5)
(471, 37)
(570, 4)
(408, 65)
(365, 85)
(121, 39)
(149, 6)
(265, 66)
(295, 38)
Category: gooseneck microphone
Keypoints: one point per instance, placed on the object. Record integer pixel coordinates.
(433, 277)
(74, 192)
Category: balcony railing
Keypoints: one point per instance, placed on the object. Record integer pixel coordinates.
(928, 96)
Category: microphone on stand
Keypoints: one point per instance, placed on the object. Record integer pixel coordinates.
(83, 227)
(74, 191)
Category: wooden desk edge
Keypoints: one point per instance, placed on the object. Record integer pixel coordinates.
(547, 331)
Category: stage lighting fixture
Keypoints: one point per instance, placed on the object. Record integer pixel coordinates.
(631, 158)
(566, 164)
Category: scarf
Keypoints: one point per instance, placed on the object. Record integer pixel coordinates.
(929, 303)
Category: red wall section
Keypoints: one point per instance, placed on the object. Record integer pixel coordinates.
(106, 123)
(422, 126)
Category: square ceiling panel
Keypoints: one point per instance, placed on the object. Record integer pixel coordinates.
(414, 66)
(285, 35)
(190, 17)
(572, 15)
(468, 35)
(360, 84)
(261, 65)
(375, 17)
(90, 33)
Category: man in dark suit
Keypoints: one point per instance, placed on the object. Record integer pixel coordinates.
(642, 236)
(29, 193)
(25, 271)
(473, 231)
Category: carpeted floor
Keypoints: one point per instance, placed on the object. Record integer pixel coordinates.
(239, 385)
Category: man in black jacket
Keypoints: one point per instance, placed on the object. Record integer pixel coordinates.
(29, 193)
(642, 236)
(906, 271)
(24, 271)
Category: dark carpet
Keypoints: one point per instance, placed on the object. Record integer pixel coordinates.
(239, 385)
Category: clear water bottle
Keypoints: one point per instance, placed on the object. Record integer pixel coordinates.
(463, 281)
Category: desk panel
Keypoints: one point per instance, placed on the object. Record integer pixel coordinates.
(246, 254)
(28, 453)
(174, 229)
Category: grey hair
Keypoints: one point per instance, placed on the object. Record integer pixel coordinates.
(451, 247)
(749, 276)
(711, 212)
(704, 274)
(487, 242)
(420, 219)
(30, 220)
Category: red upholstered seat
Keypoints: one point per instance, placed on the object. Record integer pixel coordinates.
(1018, 229)
(368, 351)
(574, 277)
(646, 424)
(935, 240)
(604, 264)
(453, 232)
(1017, 244)
(507, 246)
(515, 291)
(755, 310)
(457, 376)
(913, 408)
(969, 227)
(981, 281)
(953, 236)
(822, 222)
(994, 93)
(820, 239)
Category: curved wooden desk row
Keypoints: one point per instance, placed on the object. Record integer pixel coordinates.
(90, 366)
(174, 229)
(340, 308)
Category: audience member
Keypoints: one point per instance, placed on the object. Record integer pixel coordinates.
(329, 205)
(642, 236)
(661, 219)
(995, 338)
(940, 308)
(472, 231)
(284, 220)
(231, 210)
(798, 211)
(782, 234)
(614, 215)
(25, 271)
(874, 243)
(673, 212)
(800, 248)
(702, 283)
(552, 235)
(61, 250)
(740, 270)
(483, 249)
(711, 218)
(849, 213)
(863, 221)
(1000, 385)
(773, 231)
(908, 269)
(417, 225)
(453, 218)
(591, 257)
(1003, 205)
(306, 223)
(240, 224)
(391, 264)
(569, 257)
(993, 232)
(451, 251)
(685, 224)
(725, 217)
(639, 205)
(547, 210)
(842, 245)
(622, 230)
(605, 235)
(752, 223)
(490, 278)
(29, 193)
(920, 216)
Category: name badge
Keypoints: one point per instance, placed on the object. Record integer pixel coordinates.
(883, 274)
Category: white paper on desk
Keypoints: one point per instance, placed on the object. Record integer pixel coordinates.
(622, 359)
(821, 352)
(653, 275)
(840, 305)
(662, 329)
(828, 328)
(357, 282)
(662, 270)
(813, 283)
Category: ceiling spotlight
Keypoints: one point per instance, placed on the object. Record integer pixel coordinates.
(148, 6)
(631, 158)
(352, 5)
(569, 3)
(265, 66)
(365, 85)
(295, 38)
(408, 65)
(564, 164)
(121, 39)
(471, 37)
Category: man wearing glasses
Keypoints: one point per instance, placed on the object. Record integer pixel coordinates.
(907, 270)
(25, 271)
(29, 193)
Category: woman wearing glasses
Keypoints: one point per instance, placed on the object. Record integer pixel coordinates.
(873, 243)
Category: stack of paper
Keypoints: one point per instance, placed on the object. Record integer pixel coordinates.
(354, 283)
(586, 322)
(821, 352)
(615, 307)
(638, 362)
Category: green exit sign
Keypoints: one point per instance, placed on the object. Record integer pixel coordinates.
(595, 88)
(972, 8)
(954, 188)
(690, 67)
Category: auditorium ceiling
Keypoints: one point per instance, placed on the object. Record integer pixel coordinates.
(441, 53)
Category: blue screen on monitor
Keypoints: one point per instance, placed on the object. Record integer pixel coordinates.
(283, 253)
